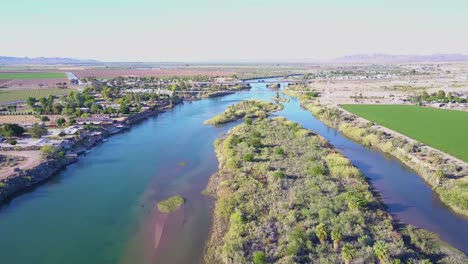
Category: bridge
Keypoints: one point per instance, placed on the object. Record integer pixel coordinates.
(290, 81)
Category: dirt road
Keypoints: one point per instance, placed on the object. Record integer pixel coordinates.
(33, 158)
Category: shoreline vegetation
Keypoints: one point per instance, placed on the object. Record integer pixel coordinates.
(446, 176)
(171, 204)
(285, 195)
(15, 184)
(245, 109)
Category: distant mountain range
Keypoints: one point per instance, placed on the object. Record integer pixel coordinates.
(374, 58)
(358, 58)
(42, 60)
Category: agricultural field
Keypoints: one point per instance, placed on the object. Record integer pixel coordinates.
(442, 129)
(150, 72)
(22, 94)
(31, 75)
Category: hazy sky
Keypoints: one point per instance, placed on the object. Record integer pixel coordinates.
(230, 30)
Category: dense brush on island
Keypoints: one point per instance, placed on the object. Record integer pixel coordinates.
(284, 195)
(171, 204)
(245, 109)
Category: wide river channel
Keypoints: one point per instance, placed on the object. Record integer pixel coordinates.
(102, 208)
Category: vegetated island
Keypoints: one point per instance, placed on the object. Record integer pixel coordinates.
(284, 195)
(245, 109)
(170, 205)
(446, 176)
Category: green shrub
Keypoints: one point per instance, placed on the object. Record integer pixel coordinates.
(61, 121)
(356, 201)
(171, 204)
(335, 159)
(316, 169)
(279, 174)
(370, 140)
(254, 142)
(249, 157)
(48, 152)
(259, 257)
(279, 151)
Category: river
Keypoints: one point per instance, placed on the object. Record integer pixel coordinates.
(102, 208)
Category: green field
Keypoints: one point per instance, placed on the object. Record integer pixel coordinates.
(22, 94)
(445, 130)
(31, 75)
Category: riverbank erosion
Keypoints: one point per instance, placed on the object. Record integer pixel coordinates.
(24, 179)
(285, 195)
(447, 176)
(245, 109)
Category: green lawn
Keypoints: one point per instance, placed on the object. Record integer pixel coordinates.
(22, 94)
(31, 75)
(446, 130)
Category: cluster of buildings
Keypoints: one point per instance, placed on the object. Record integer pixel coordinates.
(74, 139)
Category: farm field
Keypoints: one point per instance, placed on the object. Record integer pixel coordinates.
(442, 129)
(31, 75)
(153, 72)
(22, 94)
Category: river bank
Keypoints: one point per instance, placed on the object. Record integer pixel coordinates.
(443, 173)
(299, 200)
(106, 201)
(23, 180)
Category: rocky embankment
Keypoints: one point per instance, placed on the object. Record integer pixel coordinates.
(22, 180)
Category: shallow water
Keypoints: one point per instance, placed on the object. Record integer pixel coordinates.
(102, 209)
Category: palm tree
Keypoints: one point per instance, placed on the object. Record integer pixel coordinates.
(336, 237)
(321, 232)
(348, 253)
(380, 250)
(356, 201)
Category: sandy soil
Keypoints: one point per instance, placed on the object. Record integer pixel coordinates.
(33, 158)
(387, 91)
(19, 119)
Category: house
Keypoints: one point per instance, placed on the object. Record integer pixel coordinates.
(93, 120)
(72, 130)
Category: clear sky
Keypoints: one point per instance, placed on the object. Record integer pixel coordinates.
(230, 30)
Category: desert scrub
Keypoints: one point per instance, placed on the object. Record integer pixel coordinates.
(245, 109)
(370, 140)
(286, 204)
(171, 204)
